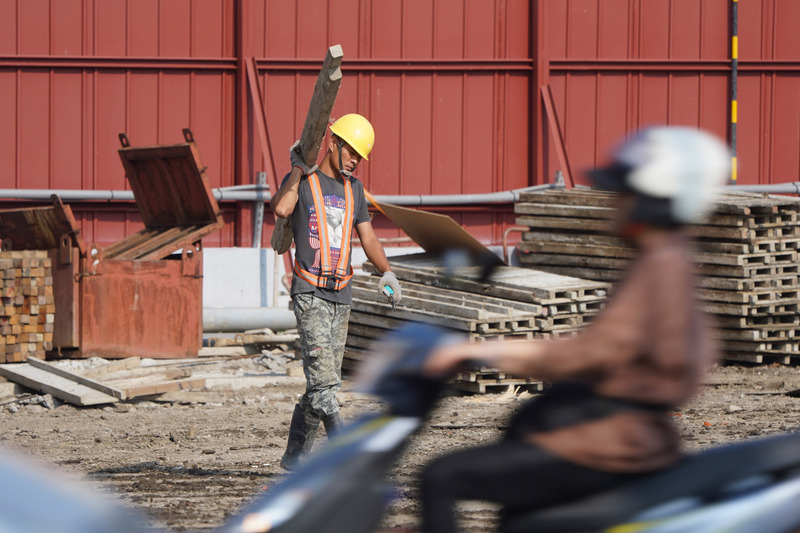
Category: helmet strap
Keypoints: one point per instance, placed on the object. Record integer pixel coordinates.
(345, 173)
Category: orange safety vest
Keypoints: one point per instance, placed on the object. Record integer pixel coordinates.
(328, 277)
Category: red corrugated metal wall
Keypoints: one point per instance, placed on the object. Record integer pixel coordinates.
(615, 65)
(453, 87)
(76, 73)
(446, 85)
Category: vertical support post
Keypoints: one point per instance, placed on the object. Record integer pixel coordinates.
(734, 86)
(258, 222)
(540, 78)
(242, 162)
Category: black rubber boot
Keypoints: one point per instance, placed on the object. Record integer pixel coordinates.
(333, 423)
(302, 432)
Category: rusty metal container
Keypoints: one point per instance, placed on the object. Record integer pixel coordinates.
(141, 296)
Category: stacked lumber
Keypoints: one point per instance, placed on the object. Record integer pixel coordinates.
(27, 305)
(746, 252)
(516, 303)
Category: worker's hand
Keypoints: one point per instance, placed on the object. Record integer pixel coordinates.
(297, 160)
(390, 280)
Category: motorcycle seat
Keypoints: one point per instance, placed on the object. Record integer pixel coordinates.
(702, 475)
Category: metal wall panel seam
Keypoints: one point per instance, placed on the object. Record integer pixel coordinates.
(119, 62)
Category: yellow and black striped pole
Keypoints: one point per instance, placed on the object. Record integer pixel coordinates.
(734, 80)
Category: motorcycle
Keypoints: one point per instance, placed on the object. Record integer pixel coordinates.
(743, 487)
(748, 486)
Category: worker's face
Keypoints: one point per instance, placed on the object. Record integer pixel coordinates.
(350, 158)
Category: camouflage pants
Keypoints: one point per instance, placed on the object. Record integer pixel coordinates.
(322, 326)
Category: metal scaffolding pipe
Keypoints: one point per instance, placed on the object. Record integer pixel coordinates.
(239, 319)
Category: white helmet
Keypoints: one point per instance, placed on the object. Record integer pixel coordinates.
(680, 169)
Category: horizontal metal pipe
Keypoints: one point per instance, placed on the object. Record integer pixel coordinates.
(250, 193)
(240, 319)
(792, 187)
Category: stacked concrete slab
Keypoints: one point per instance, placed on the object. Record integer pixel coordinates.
(746, 252)
(516, 303)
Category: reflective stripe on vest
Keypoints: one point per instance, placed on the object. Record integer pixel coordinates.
(328, 277)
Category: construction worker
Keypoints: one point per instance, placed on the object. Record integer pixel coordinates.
(325, 204)
(606, 419)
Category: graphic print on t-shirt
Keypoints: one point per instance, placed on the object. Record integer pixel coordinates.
(334, 215)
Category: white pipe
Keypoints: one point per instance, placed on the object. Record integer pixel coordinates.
(239, 319)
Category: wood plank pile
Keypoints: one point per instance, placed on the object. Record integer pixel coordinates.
(747, 254)
(115, 381)
(27, 305)
(517, 303)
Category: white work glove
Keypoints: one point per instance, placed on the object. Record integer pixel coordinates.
(390, 280)
(297, 159)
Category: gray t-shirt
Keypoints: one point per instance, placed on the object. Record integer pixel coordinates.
(306, 236)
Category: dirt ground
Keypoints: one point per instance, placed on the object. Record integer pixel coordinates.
(188, 460)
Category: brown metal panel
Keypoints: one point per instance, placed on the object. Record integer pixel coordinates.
(108, 103)
(684, 104)
(582, 29)
(174, 33)
(66, 326)
(65, 151)
(416, 141)
(654, 18)
(387, 43)
(142, 308)
(786, 127)
(686, 29)
(34, 29)
(418, 36)
(449, 37)
(66, 31)
(8, 132)
(715, 28)
(169, 185)
(787, 45)
(481, 24)
(109, 26)
(448, 128)
(143, 37)
(613, 32)
(8, 27)
(34, 121)
(481, 138)
(40, 228)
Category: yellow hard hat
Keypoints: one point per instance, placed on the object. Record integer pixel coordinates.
(356, 131)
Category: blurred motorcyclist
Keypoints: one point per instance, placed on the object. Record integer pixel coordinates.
(606, 419)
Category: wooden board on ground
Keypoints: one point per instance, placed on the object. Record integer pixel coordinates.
(58, 386)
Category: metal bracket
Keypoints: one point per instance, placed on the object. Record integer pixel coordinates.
(187, 134)
(123, 139)
(65, 249)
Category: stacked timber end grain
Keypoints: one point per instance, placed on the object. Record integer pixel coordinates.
(516, 303)
(27, 305)
(746, 252)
